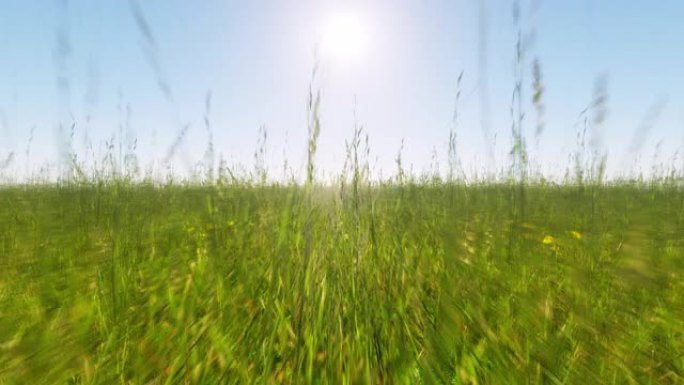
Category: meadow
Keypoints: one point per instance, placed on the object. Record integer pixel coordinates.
(411, 281)
(108, 277)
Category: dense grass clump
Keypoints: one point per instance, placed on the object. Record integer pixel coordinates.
(105, 283)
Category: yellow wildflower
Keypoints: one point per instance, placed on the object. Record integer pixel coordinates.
(576, 234)
(548, 240)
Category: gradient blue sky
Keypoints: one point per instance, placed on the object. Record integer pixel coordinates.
(255, 57)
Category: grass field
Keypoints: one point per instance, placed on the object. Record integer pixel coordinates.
(413, 282)
(116, 268)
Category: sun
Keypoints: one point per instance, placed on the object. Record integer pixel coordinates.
(345, 36)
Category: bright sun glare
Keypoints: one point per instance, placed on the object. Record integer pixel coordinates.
(345, 36)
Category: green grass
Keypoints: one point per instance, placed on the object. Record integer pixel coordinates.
(420, 282)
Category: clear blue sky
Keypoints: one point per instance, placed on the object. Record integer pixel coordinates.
(255, 57)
